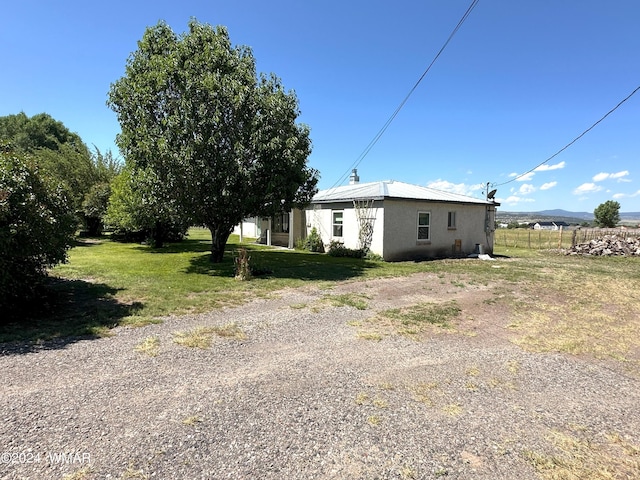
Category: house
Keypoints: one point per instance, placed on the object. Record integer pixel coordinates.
(548, 225)
(401, 221)
(396, 220)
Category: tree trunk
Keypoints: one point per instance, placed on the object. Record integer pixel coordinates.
(219, 237)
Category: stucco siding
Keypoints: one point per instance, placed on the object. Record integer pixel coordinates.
(401, 229)
(321, 217)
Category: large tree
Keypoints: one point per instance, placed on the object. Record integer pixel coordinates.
(222, 140)
(607, 214)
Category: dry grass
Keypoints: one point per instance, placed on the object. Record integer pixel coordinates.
(582, 314)
(576, 455)
(411, 321)
(82, 474)
(201, 337)
(192, 420)
(149, 346)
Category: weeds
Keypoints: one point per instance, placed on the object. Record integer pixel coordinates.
(149, 346)
(201, 337)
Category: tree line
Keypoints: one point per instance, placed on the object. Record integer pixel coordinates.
(205, 140)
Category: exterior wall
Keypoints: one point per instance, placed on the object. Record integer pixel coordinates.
(395, 232)
(474, 225)
(250, 227)
(320, 216)
(297, 226)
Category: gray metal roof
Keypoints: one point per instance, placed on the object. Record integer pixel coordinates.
(391, 189)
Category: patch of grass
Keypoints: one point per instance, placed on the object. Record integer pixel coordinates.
(81, 474)
(132, 473)
(230, 330)
(473, 371)
(298, 306)
(424, 313)
(380, 402)
(374, 336)
(453, 409)
(192, 420)
(149, 346)
(201, 337)
(354, 300)
(423, 392)
(362, 398)
(374, 420)
(410, 321)
(579, 455)
(408, 473)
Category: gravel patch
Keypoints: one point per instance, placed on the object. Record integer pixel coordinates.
(302, 397)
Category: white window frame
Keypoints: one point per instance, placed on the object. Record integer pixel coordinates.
(335, 224)
(451, 220)
(427, 225)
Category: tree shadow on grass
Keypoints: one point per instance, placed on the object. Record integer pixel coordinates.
(66, 312)
(283, 264)
(184, 246)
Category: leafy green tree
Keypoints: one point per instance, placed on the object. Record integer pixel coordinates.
(607, 214)
(36, 227)
(94, 208)
(136, 211)
(221, 140)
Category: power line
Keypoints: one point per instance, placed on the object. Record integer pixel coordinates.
(571, 142)
(397, 110)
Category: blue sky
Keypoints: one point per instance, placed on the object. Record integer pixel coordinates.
(518, 82)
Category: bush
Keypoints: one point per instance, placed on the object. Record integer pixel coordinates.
(313, 242)
(37, 228)
(337, 249)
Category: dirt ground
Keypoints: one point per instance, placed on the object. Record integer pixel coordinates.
(320, 388)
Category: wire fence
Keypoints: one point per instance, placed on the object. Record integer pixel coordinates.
(555, 239)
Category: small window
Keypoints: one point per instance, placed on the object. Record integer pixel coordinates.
(337, 223)
(424, 225)
(451, 222)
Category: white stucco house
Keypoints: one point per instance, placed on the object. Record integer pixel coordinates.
(400, 221)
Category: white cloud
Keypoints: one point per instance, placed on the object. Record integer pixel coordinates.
(459, 188)
(613, 176)
(514, 200)
(526, 188)
(545, 167)
(627, 195)
(526, 177)
(587, 188)
(548, 185)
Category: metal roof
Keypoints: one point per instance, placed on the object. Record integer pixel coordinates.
(391, 189)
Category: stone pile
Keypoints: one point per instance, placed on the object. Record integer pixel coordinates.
(607, 246)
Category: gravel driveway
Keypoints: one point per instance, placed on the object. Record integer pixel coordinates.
(303, 397)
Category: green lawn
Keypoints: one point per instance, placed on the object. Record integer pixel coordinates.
(108, 283)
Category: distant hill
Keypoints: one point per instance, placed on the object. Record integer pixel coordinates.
(558, 215)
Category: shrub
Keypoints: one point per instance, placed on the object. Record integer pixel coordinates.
(36, 228)
(313, 242)
(242, 263)
(337, 249)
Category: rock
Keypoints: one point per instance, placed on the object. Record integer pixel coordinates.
(607, 245)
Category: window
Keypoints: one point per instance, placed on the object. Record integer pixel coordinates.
(451, 222)
(424, 225)
(337, 223)
(281, 223)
